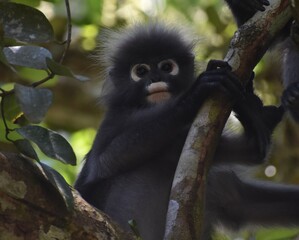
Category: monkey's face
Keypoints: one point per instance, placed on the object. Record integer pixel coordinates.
(157, 77)
(161, 79)
(147, 81)
(150, 65)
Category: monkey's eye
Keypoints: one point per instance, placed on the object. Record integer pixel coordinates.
(139, 71)
(169, 66)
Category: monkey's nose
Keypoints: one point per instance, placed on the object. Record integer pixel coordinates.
(155, 78)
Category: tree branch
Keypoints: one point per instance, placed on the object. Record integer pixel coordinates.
(31, 207)
(250, 42)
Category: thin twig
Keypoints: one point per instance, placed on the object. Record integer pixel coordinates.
(69, 30)
(50, 76)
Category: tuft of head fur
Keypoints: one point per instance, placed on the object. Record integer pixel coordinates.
(120, 49)
(139, 38)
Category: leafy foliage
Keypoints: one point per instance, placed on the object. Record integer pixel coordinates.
(21, 26)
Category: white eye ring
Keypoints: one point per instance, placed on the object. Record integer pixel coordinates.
(169, 66)
(138, 71)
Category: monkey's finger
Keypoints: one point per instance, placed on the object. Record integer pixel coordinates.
(221, 72)
(225, 83)
(219, 67)
(227, 79)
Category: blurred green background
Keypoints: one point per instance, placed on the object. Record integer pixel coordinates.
(76, 112)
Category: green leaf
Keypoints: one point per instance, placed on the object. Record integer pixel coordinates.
(25, 23)
(34, 102)
(63, 71)
(60, 184)
(12, 109)
(25, 147)
(4, 60)
(27, 56)
(50, 143)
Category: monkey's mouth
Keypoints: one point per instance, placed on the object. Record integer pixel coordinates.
(158, 92)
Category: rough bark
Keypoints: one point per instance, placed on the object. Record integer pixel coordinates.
(31, 208)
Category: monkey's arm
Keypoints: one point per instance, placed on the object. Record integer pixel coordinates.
(257, 120)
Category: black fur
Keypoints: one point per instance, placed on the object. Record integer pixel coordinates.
(129, 170)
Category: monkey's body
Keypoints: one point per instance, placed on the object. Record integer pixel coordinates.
(148, 186)
(154, 98)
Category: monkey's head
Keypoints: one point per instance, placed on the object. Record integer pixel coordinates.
(148, 64)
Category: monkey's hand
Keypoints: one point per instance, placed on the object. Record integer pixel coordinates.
(218, 75)
(290, 100)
